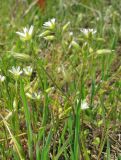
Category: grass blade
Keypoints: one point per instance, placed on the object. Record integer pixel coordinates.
(16, 144)
(61, 150)
(27, 118)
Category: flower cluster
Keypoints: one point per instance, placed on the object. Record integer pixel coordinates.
(49, 27)
(87, 31)
(17, 72)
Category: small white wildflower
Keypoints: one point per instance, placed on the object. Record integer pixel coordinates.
(86, 31)
(84, 105)
(34, 96)
(50, 24)
(71, 33)
(28, 70)
(2, 78)
(16, 71)
(26, 34)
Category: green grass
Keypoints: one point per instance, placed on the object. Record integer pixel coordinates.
(42, 112)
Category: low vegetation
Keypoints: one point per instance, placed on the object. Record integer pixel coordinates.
(60, 80)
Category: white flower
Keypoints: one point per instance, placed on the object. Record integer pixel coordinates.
(16, 71)
(34, 96)
(26, 34)
(2, 78)
(86, 31)
(84, 105)
(50, 24)
(28, 70)
(71, 33)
